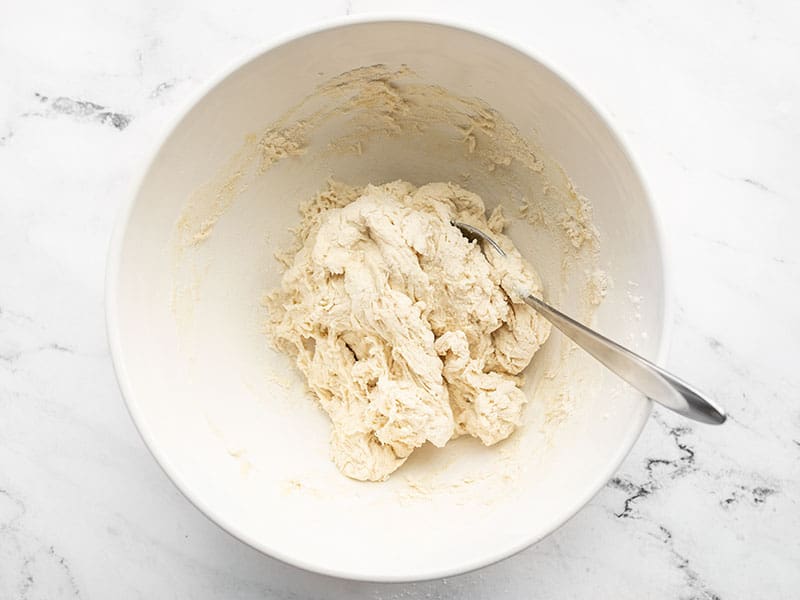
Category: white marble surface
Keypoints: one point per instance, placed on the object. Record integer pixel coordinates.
(708, 95)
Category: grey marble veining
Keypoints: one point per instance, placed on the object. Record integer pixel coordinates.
(706, 94)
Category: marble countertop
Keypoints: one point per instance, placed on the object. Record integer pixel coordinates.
(709, 98)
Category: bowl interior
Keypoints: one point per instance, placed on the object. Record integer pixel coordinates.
(228, 417)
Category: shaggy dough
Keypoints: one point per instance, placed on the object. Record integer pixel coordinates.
(405, 331)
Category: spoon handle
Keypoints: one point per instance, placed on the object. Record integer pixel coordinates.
(653, 381)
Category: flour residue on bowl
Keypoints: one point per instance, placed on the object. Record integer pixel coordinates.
(380, 102)
(353, 115)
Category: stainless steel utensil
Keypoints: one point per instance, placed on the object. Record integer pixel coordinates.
(650, 379)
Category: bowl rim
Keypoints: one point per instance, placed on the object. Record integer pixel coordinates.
(123, 219)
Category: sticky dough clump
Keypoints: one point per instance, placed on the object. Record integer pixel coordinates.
(405, 331)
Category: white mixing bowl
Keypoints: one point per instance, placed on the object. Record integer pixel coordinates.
(228, 418)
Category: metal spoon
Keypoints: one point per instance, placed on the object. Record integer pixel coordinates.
(653, 381)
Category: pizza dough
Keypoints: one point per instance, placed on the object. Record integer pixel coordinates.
(406, 333)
